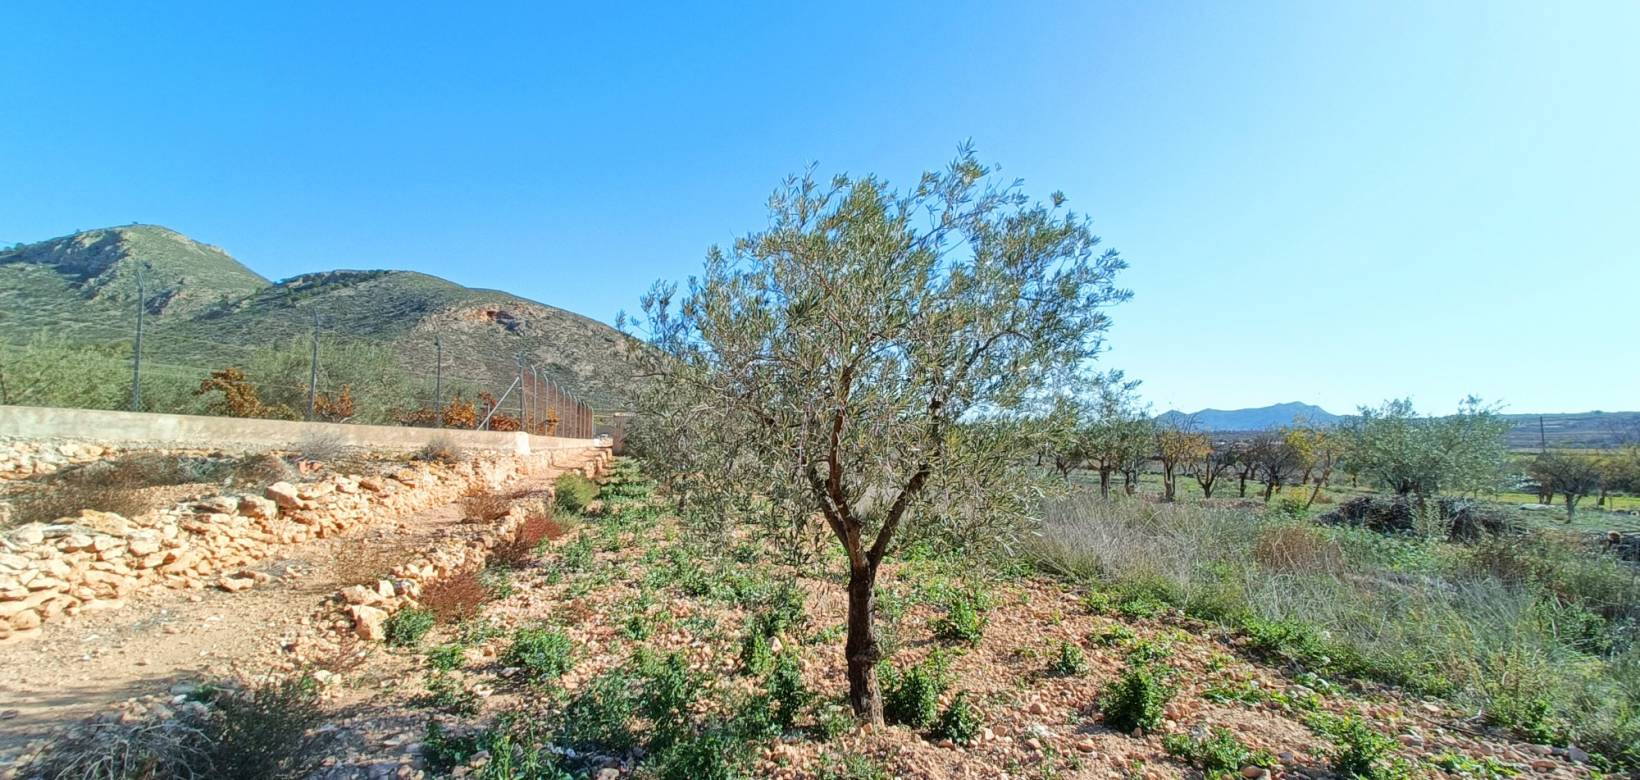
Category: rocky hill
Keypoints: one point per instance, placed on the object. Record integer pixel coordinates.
(204, 308)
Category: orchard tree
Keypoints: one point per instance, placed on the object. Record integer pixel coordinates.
(1574, 475)
(1177, 447)
(1275, 461)
(1119, 432)
(1317, 449)
(870, 346)
(1209, 465)
(1408, 454)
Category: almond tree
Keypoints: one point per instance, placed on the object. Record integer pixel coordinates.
(872, 344)
(1209, 465)
(1176, 447)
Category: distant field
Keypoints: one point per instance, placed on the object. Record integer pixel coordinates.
(1617, 515)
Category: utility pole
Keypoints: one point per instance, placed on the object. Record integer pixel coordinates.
(1543, 438)
(313, 366)
(438, 381)
(136, 350)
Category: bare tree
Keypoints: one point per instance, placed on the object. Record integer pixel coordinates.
(1274, 460)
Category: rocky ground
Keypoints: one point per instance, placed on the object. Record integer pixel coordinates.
(628, 584)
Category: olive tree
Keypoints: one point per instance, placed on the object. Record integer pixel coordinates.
(1118, 432)
(872, 344)
(1406, 453)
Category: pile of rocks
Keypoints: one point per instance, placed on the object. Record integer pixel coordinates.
(23, 458)
(97, 560)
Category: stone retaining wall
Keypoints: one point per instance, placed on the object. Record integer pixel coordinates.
(97, 560)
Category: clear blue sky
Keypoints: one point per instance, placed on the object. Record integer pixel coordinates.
(1321, 201)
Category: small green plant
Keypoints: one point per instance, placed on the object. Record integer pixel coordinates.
(785, 687)
(961, 722)
(756, 654)
(1361, 752)
(1220, 755)
(1097, 602)
(1141, 607)
(446, 694)
(1485, 768)
(572, 492)
(543, 652)
(406, 627)
(637, 626)
(964, 619)
(1150, 650)
(1138, 700)
(1068, 660)
(447, 658)
(709, 755)
(669, 688)
(599, 717)
(851, 766)
(1115, 635)
(912, 697)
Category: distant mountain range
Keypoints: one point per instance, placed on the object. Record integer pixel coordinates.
(1258, 419)
(1527, 431)
(203, 309)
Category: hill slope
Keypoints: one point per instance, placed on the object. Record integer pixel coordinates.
(205, 309)
(1257, 419)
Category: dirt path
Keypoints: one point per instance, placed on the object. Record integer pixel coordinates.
(78, 667)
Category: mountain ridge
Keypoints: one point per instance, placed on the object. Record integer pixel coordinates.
(203, 309)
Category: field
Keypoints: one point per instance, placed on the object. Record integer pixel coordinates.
(1130, 639)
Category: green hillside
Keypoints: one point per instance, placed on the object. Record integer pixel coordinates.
(206, 310)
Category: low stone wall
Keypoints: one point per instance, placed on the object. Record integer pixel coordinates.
(98, 559)
(185, 430)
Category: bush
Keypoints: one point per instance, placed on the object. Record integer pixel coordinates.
(598, 719)
(785, 687)
(544, 652)
(912, 697)
(1221, 756)
(484, 506)
(1360, 751)
(406, 627)
(1068, 661)
(960, 723)
(1138, 700)
(440, 449)
(447, 658)
(320, 446)
(964, 619)
(457, 597)
(669, 689)
(265, 732)
(521, 547)
(709, 755)
(572, 492)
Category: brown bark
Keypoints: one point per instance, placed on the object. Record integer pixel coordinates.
(861, 649)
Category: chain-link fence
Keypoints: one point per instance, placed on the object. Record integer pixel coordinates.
(324, 374)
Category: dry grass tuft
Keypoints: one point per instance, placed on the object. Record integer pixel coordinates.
(1297, 548)
(483, 506)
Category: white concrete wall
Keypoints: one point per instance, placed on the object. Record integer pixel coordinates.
(186, 430)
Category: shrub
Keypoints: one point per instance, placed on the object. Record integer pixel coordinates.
(320, 446)
(446, 694)
(598, 719)
(1068, 661)
(406, 627)
(912, 697)
(756, 654)
(544, 652)
(447, 658)
(669, 689)
(1220, 756)
(709, 755)
(1138, 700)
(572, 492)
(785, 687)
(264, 732)
(457, 597)
(521, 547)
(1289, 547)
(1360, 752)
(440, 449)
(484, 506)
(964, 619)
(961, 722)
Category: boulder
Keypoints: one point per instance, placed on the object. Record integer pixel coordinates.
(284, 494)
(369, 623)
(258, 508)
(225, 505)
